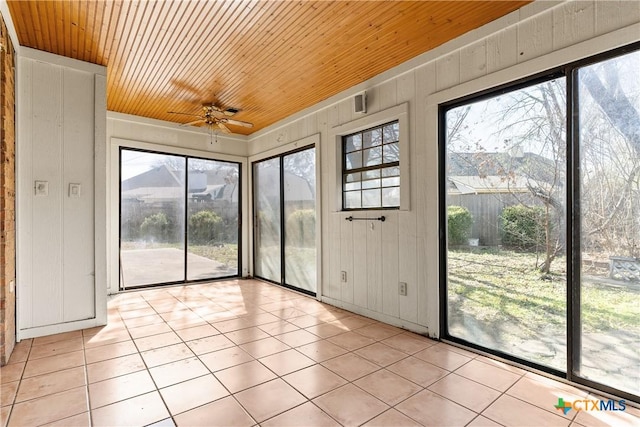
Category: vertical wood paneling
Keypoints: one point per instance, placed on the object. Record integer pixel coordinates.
(47, 218)
(346, 254)
(58, 127)
(407, 225)
(502, 49)
(330, 285)
(573, 22)
(78, 105)
(473, 61)
(426, 149)
(24, 195)
(388, 94)
(374, 262)
(535, 36)
(611, 15)
(102, 225)
(345, 111)
(360, 264)
(448, 71)
(390, 245)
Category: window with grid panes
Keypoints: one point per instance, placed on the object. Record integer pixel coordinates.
(371, 168)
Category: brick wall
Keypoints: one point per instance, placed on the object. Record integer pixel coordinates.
(7, 197)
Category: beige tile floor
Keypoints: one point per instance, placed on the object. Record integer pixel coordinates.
(246, 353)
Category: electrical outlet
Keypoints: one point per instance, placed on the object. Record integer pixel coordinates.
(402, 288)
(343, 276)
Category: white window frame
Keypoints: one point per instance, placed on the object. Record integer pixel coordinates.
(398, 113)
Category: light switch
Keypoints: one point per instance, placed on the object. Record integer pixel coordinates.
(41, 188)
(74, 190)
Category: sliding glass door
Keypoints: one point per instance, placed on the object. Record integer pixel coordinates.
(608, 332)
(179, 218)
(267, 237)
(505, 207)
(540, 218)
(284, 194)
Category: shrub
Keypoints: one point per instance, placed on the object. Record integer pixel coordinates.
(459, 223)
(523, 227)
(155, 227)
(205, 227)
(301, 228)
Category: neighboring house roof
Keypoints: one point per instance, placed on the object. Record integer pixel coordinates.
(295, 188)
(160, 176)
(489, 184)
(481, 164)
(163, 184)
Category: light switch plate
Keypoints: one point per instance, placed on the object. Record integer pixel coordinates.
(41, 188)
(74, 190)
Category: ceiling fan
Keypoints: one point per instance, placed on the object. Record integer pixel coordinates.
(215, 117)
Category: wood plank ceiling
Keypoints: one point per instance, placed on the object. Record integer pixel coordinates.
(268, 58)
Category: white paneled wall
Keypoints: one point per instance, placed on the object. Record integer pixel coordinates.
(404, 248)
(61, 118)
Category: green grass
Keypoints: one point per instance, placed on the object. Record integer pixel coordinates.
(506, 287)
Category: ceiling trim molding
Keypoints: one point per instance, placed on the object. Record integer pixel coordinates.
(112, 115)
(62, 61)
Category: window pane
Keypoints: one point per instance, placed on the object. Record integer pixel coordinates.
(152, 218)
(349, 186)
(506, 254)
(609, 118)
(394, 181)
(353, 143)
(372, 183)
(371, 174)
(352, 177)
(393, 171)
(354, 160)
(371, 198)
(372, 137)
(300, 219)
(372, 156)
(370, 150)
(391, 132)
(267, 238)
(391, 153)
(352, 200)
(212, 226)
(391, 197)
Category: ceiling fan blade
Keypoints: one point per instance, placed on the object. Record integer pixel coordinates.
(193, 122)
(224, 128)
(184, 114)
(238, 123)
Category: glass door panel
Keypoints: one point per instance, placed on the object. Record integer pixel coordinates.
(300, 219)
(506, 241)
(267, 220)
(609, 132)
(152, 197)
(212, 226)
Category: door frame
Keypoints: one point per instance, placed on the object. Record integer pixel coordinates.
(492, 85)
(312, 141)
(113, 225)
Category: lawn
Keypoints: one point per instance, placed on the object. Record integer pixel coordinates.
(506, 286)
(498, 299)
